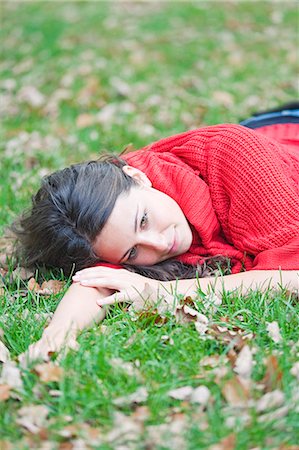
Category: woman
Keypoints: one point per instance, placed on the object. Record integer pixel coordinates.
(220, 193)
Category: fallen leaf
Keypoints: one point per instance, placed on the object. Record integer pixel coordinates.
(69, 431)
(128, 149)
(21, 273)
(49, 372)
(244, 363)
(85, 120)
(33, 285)
(4, 353)
(234, 336)
(6, 445)
(274, 415)
(11, 375)
(273, 376)
(223, 98)
(211, 302)
(200, 395)
(47, 288)
(4, 392)
(186, 314)
(182, 393)
(125, 429)
(270, 400)
(173, 433)
(274, 332)
(210, 361)
(295, 370)
(141, 413)
(32, 417)
(227, 443)
(32, 96)
(126, 366)
(235, 393)
(53, 286)
(139, 396)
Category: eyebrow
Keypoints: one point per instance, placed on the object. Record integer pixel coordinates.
(135, 230)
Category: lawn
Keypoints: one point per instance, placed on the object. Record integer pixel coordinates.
(82, 78)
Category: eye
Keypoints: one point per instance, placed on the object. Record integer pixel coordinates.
(132, 254)
(144, 220)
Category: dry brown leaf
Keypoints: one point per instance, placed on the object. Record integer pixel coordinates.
(126, 366)
(273, 376)
(172, 432)
(274, 332)
(125, 429)
(233, 336)
(93, 436)
(270, 400)
(139, 396)
(182, 393)
(21, 273)
(211, 361)
(32, 417)
(223, 98)
(4, 392)
(6, 249)
(4, 353)
(211, 302)
(47, 288)
(69, 431)
(33, 285)
(244, 363)
(141, 413)
(11, 375)
(53, 286)
(227, 443)
(277, 414)
(235, 393)
(128, 149)
(200, 395)
(85, 120)
(32, 96)
(49, 372)
(6, 445)
(295, 370)
(185, 314)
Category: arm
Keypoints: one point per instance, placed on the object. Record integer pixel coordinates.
(130, 286)
(77, 310)
(240, 282)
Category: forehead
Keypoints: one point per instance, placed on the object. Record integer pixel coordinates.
(117, 235)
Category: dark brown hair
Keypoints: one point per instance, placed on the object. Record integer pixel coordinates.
(68, 212)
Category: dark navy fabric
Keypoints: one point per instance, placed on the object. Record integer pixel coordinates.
(272, 118)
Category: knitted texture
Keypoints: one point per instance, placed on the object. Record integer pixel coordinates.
(238, 189)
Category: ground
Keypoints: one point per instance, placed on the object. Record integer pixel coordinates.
(82, 78)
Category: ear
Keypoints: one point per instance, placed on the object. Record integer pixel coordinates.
(138, 175)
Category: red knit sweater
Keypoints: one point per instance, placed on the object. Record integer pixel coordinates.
(238, 189)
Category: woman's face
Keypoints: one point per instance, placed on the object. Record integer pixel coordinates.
(145, 227)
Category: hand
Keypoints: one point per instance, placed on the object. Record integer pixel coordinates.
(52, 340)
(129, 286)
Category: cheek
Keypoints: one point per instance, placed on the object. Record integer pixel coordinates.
(147, 258)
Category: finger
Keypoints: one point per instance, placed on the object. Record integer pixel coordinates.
(97, 271)
(115, 298)
(103, 282)
(90, 276)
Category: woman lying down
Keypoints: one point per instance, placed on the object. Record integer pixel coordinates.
(160, 216)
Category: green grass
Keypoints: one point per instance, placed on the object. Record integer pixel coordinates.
(173, 58)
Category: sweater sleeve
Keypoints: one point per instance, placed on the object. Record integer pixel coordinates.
(255, 191)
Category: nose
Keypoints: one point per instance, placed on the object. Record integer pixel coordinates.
(154, 240)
